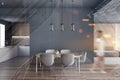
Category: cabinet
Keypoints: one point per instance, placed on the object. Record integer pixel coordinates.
(21, 34)
(2, 35)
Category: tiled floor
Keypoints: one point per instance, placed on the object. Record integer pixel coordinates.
(8, 70)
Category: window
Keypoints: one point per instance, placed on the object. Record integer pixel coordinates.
(2, 35)
(117, 37)
(108, 33)
(111, 34)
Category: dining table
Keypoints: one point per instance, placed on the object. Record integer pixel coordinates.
(77, 57)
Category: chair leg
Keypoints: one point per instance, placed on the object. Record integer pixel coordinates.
(79, 64)
(76, 64)
(40, 63)
(36, 64)
(42, 70)
(53, 66)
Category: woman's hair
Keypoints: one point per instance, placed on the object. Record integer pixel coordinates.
(99, 31)
(100, 34)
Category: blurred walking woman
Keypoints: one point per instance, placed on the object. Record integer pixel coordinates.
(100, 53)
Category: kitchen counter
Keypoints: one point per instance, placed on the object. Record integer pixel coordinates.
(24, 50)
(7, 53)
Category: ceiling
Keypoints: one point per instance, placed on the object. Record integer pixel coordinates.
(18, 10)
(110, 13)
(38, 3)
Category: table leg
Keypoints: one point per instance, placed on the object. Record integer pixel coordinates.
(119, 53)
(76, 62)
(36, 64)
(79, 64)
(40, 62)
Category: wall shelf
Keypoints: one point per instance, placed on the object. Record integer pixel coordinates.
(19, 37)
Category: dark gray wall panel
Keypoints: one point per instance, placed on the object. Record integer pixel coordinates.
(42, 38)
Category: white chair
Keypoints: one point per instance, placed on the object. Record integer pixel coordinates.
(50, 51)
(67, 59)
(65, 51)
(47, 59)
(83, 58)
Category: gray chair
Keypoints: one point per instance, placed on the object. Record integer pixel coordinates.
(83, 58)
(50, 51)
(65, 51)
(67, 59)
(47, 59)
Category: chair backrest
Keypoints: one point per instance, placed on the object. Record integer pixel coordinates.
(65, 51)
(84, 56)
(67, 59)
(50, 51)
(47, 59)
